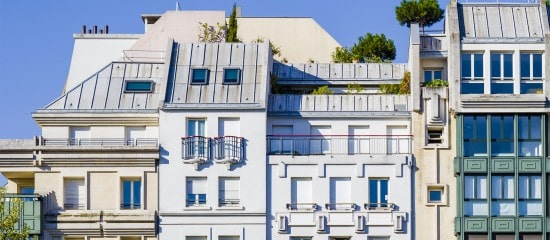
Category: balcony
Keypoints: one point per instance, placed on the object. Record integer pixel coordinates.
(307, 145)
(433, 44)
(372, 104)
(30, 213)
(128, 142)
(225, 149)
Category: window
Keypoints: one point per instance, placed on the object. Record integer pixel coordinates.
(229, 188)
(475, 196)
(229, 238)
(398, 141)
(529, 136)
(196, 191)
(301, 193)
(531, 73)
(504, 237)
(281, 140)
(378, 193)
(475, 135)
(502, 195)
(76, 134)
(131, 194)
(318, 143)
(75, 194)
(502, 81)
(530, 195)
(27, 190)
(430, 75)
(340, 193)
(229, 145)
(358, 142)
(436, 194)
(502, 135)
(135, 135)
(301, 238)
(231, 76)
(199, 76)
(475, 237)
(195, 238)
(138, 86)
(195, 145)
(472, 73)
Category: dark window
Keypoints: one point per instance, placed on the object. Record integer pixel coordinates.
(138, 86)
(435, 195)
(502, 195)
(231, 76)
(502, 135)
(531, 73)
(501, 73)
(472, 73)
(529, 136)
(199, 76)
(475, 196)
(475, 136)
(131, 194)
(530, 195)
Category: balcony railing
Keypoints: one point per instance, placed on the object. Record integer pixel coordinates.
(340, 206)
(380, 206)
(229, 202)
(301, 206)
(134, 142)
(222, 149)
(305, 145)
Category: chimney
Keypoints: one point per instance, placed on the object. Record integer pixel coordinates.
(106, 29)
(83, 29)
(95, 29)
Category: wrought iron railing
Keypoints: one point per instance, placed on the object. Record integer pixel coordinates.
(340, 206)
(225, 148)
(229, 148)
(305, 145)
(301, 206)
(384, 206)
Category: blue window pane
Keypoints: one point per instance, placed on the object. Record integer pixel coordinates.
(373, 191)
(427, 76)
(468, 127)
(202, 198)
(471, 88)
(531, 88)
(502, 88)
(481, 127)
(475, 140)
(383, 192)
(27, 190)
(478, 65)
(438, 75)
(435, 196)
(537, 65)
(137, 194)
(126, 193)
(199, 76)
(231, 76)
(502, 135)
(495, 65)
(525, 62)
(508, 65)
(191, 199)
(139, 86)
(466, 65)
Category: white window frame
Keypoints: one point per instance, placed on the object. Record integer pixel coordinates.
(223, 201)
(194, 181)
(132, 190)
(81, 201)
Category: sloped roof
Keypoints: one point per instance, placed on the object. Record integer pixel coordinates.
(517, 22)
(105, 90)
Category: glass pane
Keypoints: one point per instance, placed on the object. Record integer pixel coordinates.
(530, 208)
(469, 187)
(530, 88)
(137, 194)
(537, 65)
(199, 75)
(427, 76)
(503, 208)
(478, 65)
(231, 76)
(495, 66)
(502, 88)
(535, 187)
(481, 187)
(126, 193)
(508, 187)
(373, 191)
(139, 86)
(523, 127)
(508, 65)
(466, 65)
(525, 60)
(468, 127)
(437, 74)
(523, 187)
(476, 208)
(535, 127)
(496, 187)
(384, 191)
(435, 196)
(471, 88)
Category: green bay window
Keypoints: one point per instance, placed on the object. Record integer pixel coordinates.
(530, 195)
(475, 196)
(502, 135)
(475, 136)
(529, 136)
(502, 195)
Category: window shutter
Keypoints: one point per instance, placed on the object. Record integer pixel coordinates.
(340, 190)
(301, 190)
(229, 127)
(75, 193)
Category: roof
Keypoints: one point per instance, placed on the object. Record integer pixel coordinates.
(504, 22)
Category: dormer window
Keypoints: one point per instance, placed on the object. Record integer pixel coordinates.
(138, 86)
(199, 76)
(231, 76)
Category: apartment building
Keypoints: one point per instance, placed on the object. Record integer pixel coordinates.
(339, 166)
(495, 187)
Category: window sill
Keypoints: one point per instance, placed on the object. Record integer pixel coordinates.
(229, 208)
(197, 208)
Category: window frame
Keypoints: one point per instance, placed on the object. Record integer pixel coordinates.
(530, 192)
(503, 186)
(472, 78)
(197, 200)
(382, 201)
(499, 136)
(222, 193)
(477, 194)
(239, 76)
(84, 205)
(501, 78)
(132, 204)
(525, 81)
(194, 81)
(478, 137)
(529, 130)
(128, 83)
(432, 72)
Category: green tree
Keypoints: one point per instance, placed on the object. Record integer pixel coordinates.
(423, 12)
(322, 90)
(369, 48)
(208, 33)
(10, 209)
(232, 27)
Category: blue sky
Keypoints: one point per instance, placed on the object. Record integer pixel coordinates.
(36, 39)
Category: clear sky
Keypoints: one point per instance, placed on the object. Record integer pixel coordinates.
(36, 39)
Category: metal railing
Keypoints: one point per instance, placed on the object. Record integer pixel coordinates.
(229, 148)
(127, 206)
(196, 148)
(229, 202)
(340, 206)
(306, 145)
(74, 206)
(143, 55)
(100, 142)
(380, 206)
(301, 206)
(500, 1)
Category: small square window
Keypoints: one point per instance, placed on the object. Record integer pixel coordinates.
(231, 76)
(138, 86)
(199, 76)
(436, 194)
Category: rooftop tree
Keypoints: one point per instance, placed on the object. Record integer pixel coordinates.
(232, 27)
(423, 12)
(369, 48)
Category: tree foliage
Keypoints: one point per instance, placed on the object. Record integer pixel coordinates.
(423, 12)
(322, 90)
(369, 48)
(404, 87)
(232, 27)
(10, 218)
(275, 50)
(208, 33)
